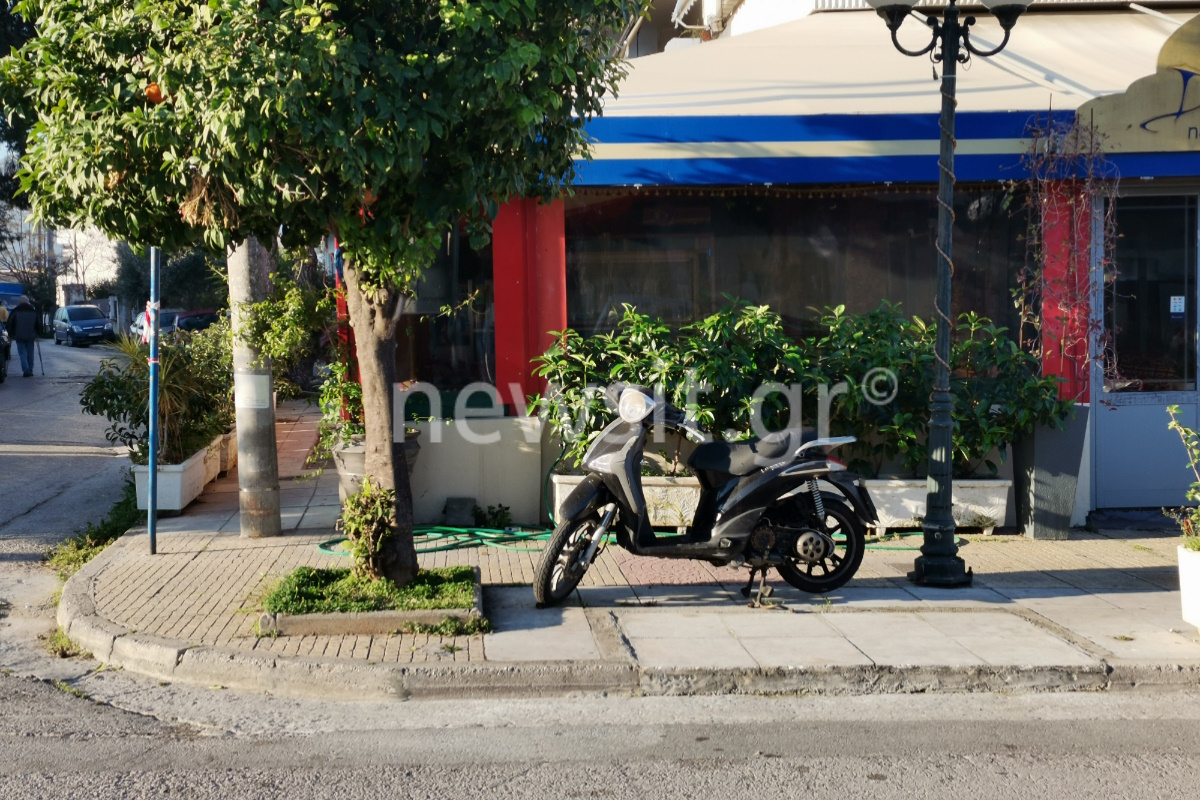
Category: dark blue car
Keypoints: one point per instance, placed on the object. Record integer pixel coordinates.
(82, 325)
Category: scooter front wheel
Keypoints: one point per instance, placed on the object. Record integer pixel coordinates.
(561, 567)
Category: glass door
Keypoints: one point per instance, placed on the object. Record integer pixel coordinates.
(1149, 359)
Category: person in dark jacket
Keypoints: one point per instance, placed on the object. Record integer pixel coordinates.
(23, 329)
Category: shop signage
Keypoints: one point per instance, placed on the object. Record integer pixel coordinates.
(1159, 113)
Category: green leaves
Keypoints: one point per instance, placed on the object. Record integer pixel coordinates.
(283, 112)
(998, 393)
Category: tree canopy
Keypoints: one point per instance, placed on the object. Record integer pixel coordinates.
(14, 32)
(382, 121)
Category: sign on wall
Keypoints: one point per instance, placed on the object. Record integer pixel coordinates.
(1159, 113)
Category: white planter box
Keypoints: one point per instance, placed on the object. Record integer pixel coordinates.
(1189, 585)
(978, 503)
(672, 501)
(212, 461)
(228, 451)
(178, 484)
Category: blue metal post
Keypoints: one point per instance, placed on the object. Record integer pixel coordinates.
(152, 476)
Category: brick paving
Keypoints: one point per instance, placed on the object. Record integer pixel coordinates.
(205, 584)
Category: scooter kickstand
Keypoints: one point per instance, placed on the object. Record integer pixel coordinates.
(764, 591)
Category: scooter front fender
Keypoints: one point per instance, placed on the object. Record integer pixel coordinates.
(589, 495)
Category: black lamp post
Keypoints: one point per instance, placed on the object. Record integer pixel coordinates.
(939, 563)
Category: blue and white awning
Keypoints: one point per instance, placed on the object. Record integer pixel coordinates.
(827, 99)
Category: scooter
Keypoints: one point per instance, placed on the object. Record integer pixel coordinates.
(776, 502)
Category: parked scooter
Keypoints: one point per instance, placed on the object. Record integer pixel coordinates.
(776, 502)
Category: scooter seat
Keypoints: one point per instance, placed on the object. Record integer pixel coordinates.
(742, 458)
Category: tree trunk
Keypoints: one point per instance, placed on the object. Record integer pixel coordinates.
(373, 315)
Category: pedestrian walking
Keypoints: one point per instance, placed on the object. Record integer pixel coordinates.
(23, 329)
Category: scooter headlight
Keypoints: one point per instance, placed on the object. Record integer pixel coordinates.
(634, 406)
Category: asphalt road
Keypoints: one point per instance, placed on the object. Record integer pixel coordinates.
(57, 472)
(57, 469)
(53, 745)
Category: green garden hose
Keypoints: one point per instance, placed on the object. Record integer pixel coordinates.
(440, 538)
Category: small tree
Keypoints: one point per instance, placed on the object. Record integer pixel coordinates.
(383, 122)
(26, 259)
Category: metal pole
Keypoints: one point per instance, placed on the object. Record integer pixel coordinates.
(939, 564)
(152, 473)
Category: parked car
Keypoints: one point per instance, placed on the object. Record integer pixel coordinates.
(196, 320)
(82, 325)
(166, 321)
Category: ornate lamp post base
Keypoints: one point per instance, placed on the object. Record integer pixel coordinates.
(945, 571)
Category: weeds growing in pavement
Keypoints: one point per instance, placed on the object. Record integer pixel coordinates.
(69, 557)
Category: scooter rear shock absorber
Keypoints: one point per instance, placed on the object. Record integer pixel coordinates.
(818, 501)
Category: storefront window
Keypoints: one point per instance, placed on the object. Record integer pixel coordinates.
(677, 254)
(450, 350)
(1150, 304)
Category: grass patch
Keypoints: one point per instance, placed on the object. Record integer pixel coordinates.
(325, 591)
(70, 556)
(67, 688)
(59, 645)
(450, 626)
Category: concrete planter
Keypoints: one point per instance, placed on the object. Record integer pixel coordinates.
(178, 484)
(212, 461)
(672, 501)
(228, 451)
(365, 623)
(1189, 585)
(1046, 467)
(350, 461)
(978, 503)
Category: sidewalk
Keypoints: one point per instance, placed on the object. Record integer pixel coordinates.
(1098, 611)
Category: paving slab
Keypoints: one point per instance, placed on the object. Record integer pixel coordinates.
(803, 651)
(1003, 639)
(529, 634)
(715, 652)
(901, 639)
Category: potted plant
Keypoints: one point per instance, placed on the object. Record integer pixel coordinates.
(340, 431)
(211, 353)
(731, 353)
(1067, 192)
(997, 392)
(191, 416)
(1188, 518)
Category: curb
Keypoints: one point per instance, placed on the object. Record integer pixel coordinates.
(168, 659)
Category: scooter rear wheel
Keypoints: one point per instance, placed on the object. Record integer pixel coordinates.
(560, 570)
(836, 566)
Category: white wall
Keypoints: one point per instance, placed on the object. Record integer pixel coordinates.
(507, 472)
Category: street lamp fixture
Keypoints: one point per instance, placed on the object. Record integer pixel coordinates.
(939, 563)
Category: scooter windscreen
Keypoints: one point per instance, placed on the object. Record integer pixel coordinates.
(607, 453)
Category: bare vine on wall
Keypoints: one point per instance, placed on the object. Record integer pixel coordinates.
(1068, 191)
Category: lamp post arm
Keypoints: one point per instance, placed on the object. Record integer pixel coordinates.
(937, 33)
(971, 48)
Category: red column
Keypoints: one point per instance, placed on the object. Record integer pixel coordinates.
(529, 263)
(1066, 287)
